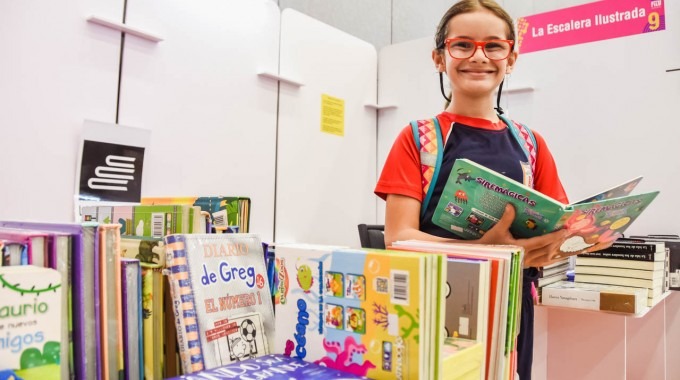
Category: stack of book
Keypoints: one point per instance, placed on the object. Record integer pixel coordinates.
(483, 304)
(672, 243)
(157, 217)
(551, 274)
(370, 313)
(629, 264)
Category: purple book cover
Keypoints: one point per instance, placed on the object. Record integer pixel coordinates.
(124, 292)
(125, 262)
(271, 367)
(97, 308)
(77, 283)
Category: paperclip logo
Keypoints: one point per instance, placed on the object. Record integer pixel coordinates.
(111, 172)
(106, 177)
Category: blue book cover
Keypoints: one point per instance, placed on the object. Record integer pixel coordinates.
(272, 367)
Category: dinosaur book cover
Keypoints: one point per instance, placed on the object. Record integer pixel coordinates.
(221, 298)
(474, 199)
(30, 322)
(365, 313)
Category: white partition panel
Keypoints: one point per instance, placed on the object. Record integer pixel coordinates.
(608, 111)
(324, 182)
(56, 70)
(407, 79)
(213, 119)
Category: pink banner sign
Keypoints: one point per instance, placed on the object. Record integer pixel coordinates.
(597, 21)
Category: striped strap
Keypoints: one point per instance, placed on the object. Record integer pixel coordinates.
(428, 138)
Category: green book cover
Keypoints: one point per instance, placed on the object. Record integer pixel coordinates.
(30, 321)
(157, 220)
(474, 199)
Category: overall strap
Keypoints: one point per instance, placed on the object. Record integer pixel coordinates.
(525, 138)
(427, 135)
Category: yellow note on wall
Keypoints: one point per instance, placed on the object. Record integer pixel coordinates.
(332, 115)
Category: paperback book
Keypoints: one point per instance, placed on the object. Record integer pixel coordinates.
(474, 199)
(30, 320)
(672, 243)
(595, 297)
(221, 298)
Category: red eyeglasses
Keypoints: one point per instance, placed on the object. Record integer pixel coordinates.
(464, 48)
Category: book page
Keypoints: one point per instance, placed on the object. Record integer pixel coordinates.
(614, 192)
(595, 225)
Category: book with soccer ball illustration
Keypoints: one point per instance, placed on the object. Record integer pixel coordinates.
(474, 199)
(221, 298)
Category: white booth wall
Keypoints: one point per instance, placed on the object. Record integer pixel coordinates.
(606, 109)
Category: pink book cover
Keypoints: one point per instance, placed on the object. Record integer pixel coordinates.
(30, 238)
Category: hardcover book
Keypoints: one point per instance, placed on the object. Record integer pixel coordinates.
(467, 298)
(223, 306)
(131, 292)
(30, 321)
(84, 245)
(109, 308)
(271, 367)
(224, 212)
(152, 320)
(595, 297)
(374, 314)
(474, 199)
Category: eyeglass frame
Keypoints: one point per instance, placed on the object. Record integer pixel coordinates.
(478, 44)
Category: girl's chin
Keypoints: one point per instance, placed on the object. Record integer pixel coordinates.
(479, 87)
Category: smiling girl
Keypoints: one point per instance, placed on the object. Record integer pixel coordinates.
(474, 49)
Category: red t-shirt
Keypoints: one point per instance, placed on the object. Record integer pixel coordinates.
(401, 173)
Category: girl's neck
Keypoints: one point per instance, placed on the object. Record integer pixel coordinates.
(477, 108)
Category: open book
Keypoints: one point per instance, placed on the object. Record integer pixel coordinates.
(474, 199)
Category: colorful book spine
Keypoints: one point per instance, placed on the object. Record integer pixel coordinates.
(182, 294)
(621, 255)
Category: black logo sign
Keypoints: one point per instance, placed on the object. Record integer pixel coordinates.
(111, 172)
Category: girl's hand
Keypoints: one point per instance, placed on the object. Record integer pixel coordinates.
(538, 251)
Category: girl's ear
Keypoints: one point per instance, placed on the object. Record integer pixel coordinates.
(512, 59)
(439, 60)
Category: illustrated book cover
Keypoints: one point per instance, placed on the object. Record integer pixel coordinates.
(270, 367)
(30, 321)
(474, 199)
(370, 313)
(221, 297)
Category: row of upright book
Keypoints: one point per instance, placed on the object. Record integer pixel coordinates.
(416, 311)
(631, 276)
